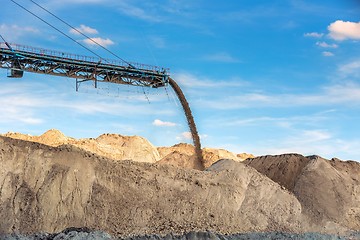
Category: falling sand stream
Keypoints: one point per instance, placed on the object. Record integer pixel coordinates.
(190, 120)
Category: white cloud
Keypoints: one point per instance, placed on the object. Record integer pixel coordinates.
(170, 11)
(350, 69)
(304, 142)
(326, 45)
(14, 32)
(348, 93)
(136, 11)
(159, 123)
(314, 35)
(13, 28)
(186, 136)
(221, 57)
(315, 135)
(312, 142)
(19, 114)
(18, 107)
(282, 122)
(103, 42)
(203, 136)
(340, 94)
(112, 108)
(341, 30)
(84, 29)
(306, 134)
(240, 101)
(327, 54)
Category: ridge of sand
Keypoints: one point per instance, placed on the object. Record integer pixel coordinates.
(48, 189)
(328, 190)
(45, 188)
(114, 146)
(283, 169)
(51, 137)
(119, 147)
(184, 148)
(182, 155)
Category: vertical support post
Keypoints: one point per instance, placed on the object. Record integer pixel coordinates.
(94, 74)
(77, 85)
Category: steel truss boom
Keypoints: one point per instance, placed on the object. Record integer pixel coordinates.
(19, 59)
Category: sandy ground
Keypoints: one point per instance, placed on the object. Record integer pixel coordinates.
(49, 188)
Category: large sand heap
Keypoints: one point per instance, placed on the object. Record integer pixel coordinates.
(329, 191)
(51, 188)
(114, 146)
(139, 149)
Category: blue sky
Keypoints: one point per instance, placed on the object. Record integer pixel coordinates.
(263, 77)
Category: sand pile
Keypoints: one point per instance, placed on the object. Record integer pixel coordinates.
(48, 189)
(184, 148)
(328, 190)
(182, 160)
(245, 156)
(212, 155)
(283, 169)
(119, 147)
(114, 146)
(51, 137)
(183, 155)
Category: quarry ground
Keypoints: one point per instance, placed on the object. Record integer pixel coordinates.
(125, 186)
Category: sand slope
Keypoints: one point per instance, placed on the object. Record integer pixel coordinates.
(46, 188)
(74, 184)
(328, 190)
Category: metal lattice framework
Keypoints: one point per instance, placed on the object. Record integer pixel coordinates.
(19, 59)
